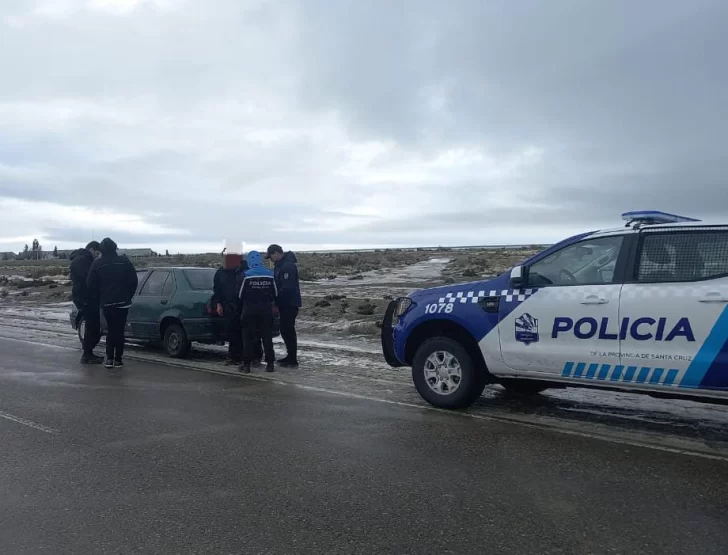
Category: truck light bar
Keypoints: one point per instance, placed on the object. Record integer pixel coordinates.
(651, 217)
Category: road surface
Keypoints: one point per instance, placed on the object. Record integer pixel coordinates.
(160, 459)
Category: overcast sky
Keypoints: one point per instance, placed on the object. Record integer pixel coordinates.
(179, 124)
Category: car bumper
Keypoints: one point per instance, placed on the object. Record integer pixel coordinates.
(214, 330)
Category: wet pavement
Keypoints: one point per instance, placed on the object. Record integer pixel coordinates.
(354, 365)
(156, 459)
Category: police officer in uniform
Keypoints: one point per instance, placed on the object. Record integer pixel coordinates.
(289, 300)
(257, 298)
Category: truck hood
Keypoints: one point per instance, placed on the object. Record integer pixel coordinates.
(488, 285)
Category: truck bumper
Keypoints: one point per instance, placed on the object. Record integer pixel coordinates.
(388, 337)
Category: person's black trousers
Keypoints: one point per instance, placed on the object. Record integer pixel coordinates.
(288, 330)
(92, 333)
(234, 335)
(115, 322)
(258, 326)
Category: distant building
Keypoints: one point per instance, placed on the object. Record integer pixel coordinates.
(138, 253)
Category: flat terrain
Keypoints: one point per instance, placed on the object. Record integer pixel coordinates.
(160, 460)
(340, 352)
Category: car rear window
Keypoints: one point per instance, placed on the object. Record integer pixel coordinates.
(200, 280)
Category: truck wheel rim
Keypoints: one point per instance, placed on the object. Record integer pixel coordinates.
(443, 373)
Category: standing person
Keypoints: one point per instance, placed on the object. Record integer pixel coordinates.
(88, 306)
(113, 280)
(289, 300)
(226, 285)
(257, 297)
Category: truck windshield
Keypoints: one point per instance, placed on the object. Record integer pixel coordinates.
(200, 279)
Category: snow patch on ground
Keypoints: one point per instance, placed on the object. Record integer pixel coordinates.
(427, 270)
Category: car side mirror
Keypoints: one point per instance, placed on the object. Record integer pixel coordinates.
(518, 277)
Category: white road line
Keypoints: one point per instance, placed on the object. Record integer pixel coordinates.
(607, 437)
(17, 340)
(28, 423)
(610, 438)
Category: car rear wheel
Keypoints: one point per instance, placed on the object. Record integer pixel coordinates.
(445, 375)
(81, 329)
(175, 341)
(523, 387)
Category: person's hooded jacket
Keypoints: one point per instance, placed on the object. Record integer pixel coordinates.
(226, 287)
(259, 286)
(286, 276)
(112, 278)
(81, 260)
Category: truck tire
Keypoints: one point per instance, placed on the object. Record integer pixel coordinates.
(523, 387)
(445, 375)
(175, 341)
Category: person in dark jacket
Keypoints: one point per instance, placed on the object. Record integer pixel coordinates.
(226, 285)
(113, 280)
(87, 305)
(288, 301)
(257, 298)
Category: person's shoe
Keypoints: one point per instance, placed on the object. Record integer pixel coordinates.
(109, 363)
(244, 368)
(270, 367)
(288, 363)
(91, 359)
(118, 363)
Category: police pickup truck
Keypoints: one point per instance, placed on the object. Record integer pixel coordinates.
(641, 308)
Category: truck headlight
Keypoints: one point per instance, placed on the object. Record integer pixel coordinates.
(403, 305)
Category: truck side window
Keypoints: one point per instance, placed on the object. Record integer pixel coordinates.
(682, 256)
(589, 262)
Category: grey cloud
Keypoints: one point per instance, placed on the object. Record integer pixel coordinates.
(625, 100)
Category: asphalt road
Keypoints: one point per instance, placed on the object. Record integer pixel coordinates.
(164, 460)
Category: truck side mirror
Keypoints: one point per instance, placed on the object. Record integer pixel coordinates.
(518, 277)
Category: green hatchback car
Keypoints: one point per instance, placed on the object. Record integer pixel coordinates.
(172, 305)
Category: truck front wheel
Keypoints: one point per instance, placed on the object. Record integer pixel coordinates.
(445, 375)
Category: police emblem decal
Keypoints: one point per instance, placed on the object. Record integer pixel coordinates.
(526, 329)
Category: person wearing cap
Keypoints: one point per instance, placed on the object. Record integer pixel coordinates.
(87, 305)
(113, 280)
(288, 300)
(257, 298)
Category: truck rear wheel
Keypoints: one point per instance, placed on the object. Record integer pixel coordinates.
(445, 375)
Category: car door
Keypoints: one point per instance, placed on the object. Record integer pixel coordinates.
(562, 324)
(152, 300)
(674, 312)
(141, 278)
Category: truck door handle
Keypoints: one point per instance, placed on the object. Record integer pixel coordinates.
(594, 299)
(713, 297)
(163, 301)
